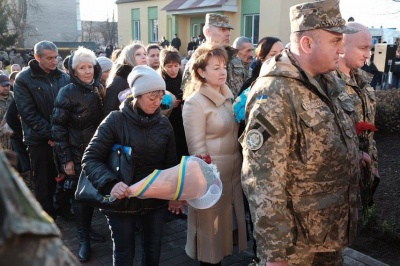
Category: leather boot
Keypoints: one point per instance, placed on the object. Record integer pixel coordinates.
(84, 245)
(83, 219)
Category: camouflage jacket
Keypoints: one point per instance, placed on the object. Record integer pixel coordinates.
(363, 96)
(301, 162)
(186, 77)
(238, 73)
(5, 141)
(28, 236)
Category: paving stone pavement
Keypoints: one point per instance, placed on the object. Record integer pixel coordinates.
(173, 246)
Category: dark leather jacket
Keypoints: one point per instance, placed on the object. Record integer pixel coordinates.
(76, 115)
(153, 147)
(34, 93)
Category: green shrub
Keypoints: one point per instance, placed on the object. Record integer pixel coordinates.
(387, 119)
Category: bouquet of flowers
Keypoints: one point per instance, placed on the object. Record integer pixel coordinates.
(239, 106)
(363, 130)
(192, 180)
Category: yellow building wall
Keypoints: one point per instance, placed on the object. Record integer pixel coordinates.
(274, 21)
(274, 18)
(125, 22)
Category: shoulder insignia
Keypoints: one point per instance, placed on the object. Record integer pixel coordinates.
(254, 139)
(262, 98)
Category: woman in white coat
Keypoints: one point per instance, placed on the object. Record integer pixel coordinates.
(210, 129)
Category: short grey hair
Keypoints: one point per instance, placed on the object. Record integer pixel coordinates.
(44, 45)
(239, 41)
(83, 55)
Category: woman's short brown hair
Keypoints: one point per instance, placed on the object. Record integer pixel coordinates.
(169, 55)
(202, 56)
(200, 60)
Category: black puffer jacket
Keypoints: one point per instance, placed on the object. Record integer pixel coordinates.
(34, 93)
(153, 147)
(76, 115)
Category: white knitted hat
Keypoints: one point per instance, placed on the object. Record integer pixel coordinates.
(144, 79)
(105, 63)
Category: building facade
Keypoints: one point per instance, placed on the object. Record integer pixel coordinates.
(53, 22)
(148, 20)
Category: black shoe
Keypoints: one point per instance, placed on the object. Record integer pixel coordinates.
(67, 216)
(84, 251)
(95, 237)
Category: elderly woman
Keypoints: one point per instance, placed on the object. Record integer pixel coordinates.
(131, 56)
(211, 129)
(140, 126)
(76, 115)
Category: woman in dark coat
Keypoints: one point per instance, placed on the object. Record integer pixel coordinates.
(149, 135)
(170, 62)
(76, 115)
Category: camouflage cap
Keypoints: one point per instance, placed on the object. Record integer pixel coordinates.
(218, 20)
(318, 15)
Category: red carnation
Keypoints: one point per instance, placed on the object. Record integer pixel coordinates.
(364, 126)
(205, 158)
(60, 177)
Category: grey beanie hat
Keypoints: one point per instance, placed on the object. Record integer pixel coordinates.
(144, 79)
(105, 63)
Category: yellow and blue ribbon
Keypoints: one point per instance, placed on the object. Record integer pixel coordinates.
(181, 178)
(146, 184)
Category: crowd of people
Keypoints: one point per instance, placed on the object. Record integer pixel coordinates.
(293, 166)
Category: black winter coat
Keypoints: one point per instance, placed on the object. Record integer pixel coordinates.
(153, 147)
(173, 85)
(34, 93)
(78, 111)
(119, 83)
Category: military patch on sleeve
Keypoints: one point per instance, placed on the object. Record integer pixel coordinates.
(260, 132)
(262, 98)
(254, 139)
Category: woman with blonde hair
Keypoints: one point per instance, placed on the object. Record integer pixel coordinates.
(211, 131)
(131, 56)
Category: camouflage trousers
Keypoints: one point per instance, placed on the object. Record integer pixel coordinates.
(32, 249)
(304, 257)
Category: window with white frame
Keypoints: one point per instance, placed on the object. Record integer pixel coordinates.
(251, 27)
(195, 30)
(153, 30)
(136, 30)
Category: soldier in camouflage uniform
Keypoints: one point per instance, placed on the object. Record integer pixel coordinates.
(6, 97)
(301, 161)
(216, 30)
(28, 236)
(239, 67)
(356, 52)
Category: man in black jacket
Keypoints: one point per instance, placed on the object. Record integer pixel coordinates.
(176, 42)
(35, 89)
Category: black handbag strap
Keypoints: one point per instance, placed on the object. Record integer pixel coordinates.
(124, 142)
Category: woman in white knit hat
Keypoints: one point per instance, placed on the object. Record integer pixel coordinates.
(105, 64)
(150, 137)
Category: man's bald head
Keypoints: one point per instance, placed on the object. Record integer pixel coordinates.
(363, 32)
(356, 47)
